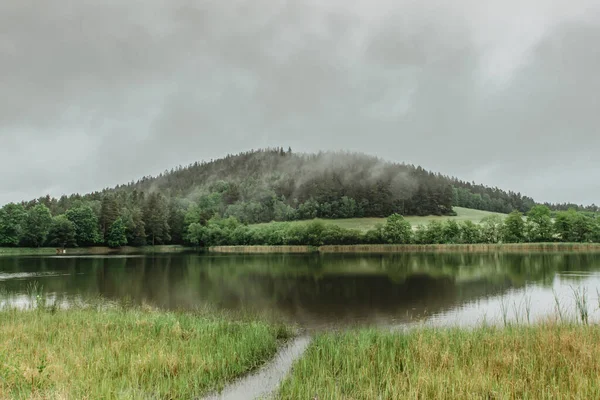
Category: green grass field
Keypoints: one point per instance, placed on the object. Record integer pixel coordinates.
(546, 361)
(364, 224)
(100, 353)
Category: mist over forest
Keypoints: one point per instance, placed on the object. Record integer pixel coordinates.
(273, 184)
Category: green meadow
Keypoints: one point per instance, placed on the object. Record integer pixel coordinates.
(364, 224)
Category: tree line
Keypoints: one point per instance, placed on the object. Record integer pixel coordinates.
(115, 221)
(537, 226)
(159, 221)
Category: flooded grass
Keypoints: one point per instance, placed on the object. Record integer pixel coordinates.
(264, 383)
(114, 352)
(549, 360)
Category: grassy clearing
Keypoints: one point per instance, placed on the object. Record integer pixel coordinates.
(99, 353)
(545, 361)
(364, 224)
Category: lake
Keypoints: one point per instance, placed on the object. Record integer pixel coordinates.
(324, 291)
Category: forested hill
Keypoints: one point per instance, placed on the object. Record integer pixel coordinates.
(274, 184)
(261, 186)
(376, 186)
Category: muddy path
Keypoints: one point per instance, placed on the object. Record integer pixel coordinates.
(264, 382)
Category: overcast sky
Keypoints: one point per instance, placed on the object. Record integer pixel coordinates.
(503, 92)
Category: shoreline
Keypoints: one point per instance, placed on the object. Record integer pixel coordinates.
(326, 249)
(410, 248)
(96, 250)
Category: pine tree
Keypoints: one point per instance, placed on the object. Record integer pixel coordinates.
(109, 212)
(155, 218)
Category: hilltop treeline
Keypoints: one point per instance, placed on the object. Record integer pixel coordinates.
(251, 187)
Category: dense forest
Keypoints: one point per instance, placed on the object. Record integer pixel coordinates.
(251, 187)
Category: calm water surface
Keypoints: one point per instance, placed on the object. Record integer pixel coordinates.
(324, 291)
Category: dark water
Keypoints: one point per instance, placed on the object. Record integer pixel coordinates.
(318, 291)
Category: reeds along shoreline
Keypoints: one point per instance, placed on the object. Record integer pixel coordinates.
(359, 248)
(408, 248)
(262, 249)
(549, 360)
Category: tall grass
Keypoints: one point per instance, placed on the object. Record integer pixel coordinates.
(542, 361)
(558, 307)
(126, 353)
(581, 304)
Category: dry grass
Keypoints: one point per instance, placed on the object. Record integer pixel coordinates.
(545, 361)
(261, 249)
(414, 248)
(462, 248)
(126, 354)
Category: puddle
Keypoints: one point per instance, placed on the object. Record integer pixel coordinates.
(265, 382)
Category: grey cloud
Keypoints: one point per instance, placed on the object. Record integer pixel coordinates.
(99, 93)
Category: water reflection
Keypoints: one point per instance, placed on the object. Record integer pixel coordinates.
(320, 291)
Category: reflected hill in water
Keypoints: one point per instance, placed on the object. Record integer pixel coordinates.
(315, 291)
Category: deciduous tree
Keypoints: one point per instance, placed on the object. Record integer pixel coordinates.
(12, 218)
(397, 230)
(117, 234)
(36, 226)
(62, 232)
(539, 226)
(86, 225)
(513, 230)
